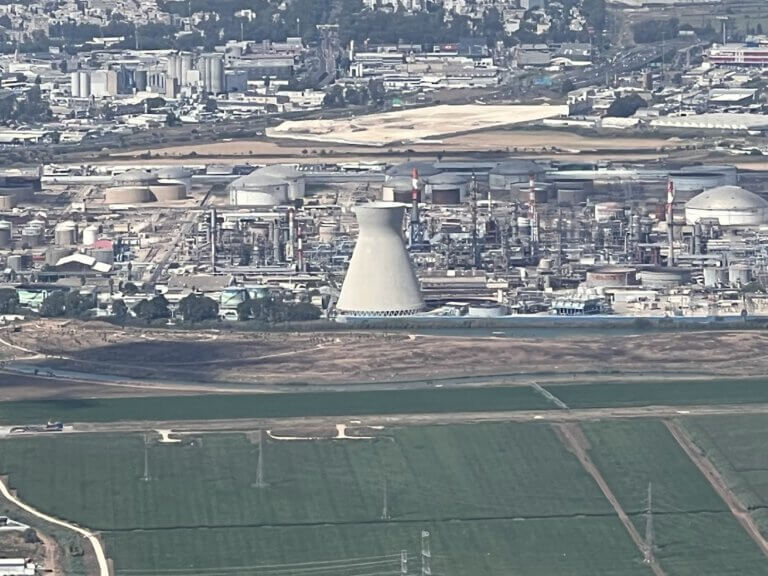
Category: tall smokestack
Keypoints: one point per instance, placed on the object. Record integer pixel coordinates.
(534, 214)
(670, 222)
(214, 235)
(415, 208)
(291, 234)
(300, 250)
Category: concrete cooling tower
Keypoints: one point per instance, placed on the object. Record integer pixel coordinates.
(380, 281)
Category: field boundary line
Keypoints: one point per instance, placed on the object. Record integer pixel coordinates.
(718, 483)
(569, 435)
(90, 536)
(549, 396)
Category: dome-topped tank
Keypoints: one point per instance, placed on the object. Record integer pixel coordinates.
(730, 205)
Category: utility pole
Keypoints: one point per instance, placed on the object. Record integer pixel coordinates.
(426, 555)
(474, 220)
(403, 562)
(648, 557)
(670, 222)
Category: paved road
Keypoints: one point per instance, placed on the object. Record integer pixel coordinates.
(97, 549)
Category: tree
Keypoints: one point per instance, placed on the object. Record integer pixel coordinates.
(210, 105)
(153, 309)
(625, 106)
(9, 301)
(271, 310)
(334, 98)
(196, 308)
(567, 86)
(120, 311)
(54, 305)
(76, 304)
(130, 289)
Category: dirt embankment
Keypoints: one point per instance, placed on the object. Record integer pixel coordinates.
(345, 358)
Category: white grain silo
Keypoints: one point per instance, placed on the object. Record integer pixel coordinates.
(74, 84)
(380, 281)
(84, 79)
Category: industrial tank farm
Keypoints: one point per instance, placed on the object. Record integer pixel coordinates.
(139, 186)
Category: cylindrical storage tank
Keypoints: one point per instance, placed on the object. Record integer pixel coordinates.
(695, 178)
(714, 277)
(485, 310)
(609, 276)
(545, 265)
(447, 188)
(296, 188)
(512, 172)
(7, 201)
(523, 225)
(185, 65)
(90, 234)
(15, 262)
(74, 84)
(326, 232)
(380, 281)
(168, 192)
(175, 175)
(398, 189)
(605, 211)
(729, 205)
(31, 236)
(85, 84)
(127, 194)
(739, 275)
(522, 193)
(570, 196)
(65, 234)
(55, 253)
(104, 255)
(140, 78)
(660, 277)
(6, 233)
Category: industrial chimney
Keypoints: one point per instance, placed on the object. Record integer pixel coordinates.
(380, 281)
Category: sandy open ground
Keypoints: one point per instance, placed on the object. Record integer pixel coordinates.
(167, 362)
(413, 125)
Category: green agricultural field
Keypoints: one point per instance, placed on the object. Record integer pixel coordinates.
(736, 446)
(498, 499)
(367, 402)
(663, 392)
(695, 533)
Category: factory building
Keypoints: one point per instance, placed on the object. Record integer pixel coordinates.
(380, 281)
(729, 205)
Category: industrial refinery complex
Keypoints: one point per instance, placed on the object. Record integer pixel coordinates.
(508, 240)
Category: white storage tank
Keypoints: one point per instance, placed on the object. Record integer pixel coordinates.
(739, 275)
(31, 236)
(65, 234)
(103, 255)
(90, 234)
(714, 277)
(485, 310)
(6, 233)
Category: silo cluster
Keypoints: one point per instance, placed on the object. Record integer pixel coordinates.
(211, 67)
(80, 84)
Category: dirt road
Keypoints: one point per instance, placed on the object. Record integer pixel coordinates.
(575, 442)
(711, 473)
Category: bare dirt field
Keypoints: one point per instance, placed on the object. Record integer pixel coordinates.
(523, 141)
(412, 125)
(161, 361)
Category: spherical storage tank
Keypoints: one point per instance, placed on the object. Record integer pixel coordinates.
(512, 172)
(447, 188)
(730, 205)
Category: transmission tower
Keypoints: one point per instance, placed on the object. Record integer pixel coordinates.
(145, 478)
(426, 555)
(385, 505)
(403, 562)
(260, 463)
(649, 527)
